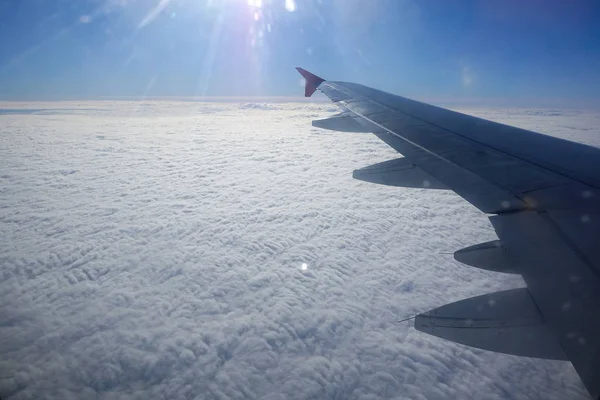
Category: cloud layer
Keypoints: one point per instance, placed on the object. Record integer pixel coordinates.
(156, 250)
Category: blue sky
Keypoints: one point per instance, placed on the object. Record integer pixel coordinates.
(488, 51)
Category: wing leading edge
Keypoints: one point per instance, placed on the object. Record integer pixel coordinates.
(543, 197)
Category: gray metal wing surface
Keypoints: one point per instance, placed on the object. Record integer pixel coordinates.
(542, 195)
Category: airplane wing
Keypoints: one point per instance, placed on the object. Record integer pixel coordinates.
(542, 195)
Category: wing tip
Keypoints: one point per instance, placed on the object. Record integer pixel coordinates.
(312, 81)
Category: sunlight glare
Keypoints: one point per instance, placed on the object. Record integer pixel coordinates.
(290, 5)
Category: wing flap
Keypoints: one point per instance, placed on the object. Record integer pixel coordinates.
(398, 172)
(506, 322)
(489, 256)
(340, 122)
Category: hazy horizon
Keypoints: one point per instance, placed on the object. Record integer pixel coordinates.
(318, 98)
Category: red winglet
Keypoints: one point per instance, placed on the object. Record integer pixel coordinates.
(312, 81)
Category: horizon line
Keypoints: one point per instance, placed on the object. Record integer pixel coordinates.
(445, 102)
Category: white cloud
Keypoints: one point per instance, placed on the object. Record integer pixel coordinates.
(155, 250)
